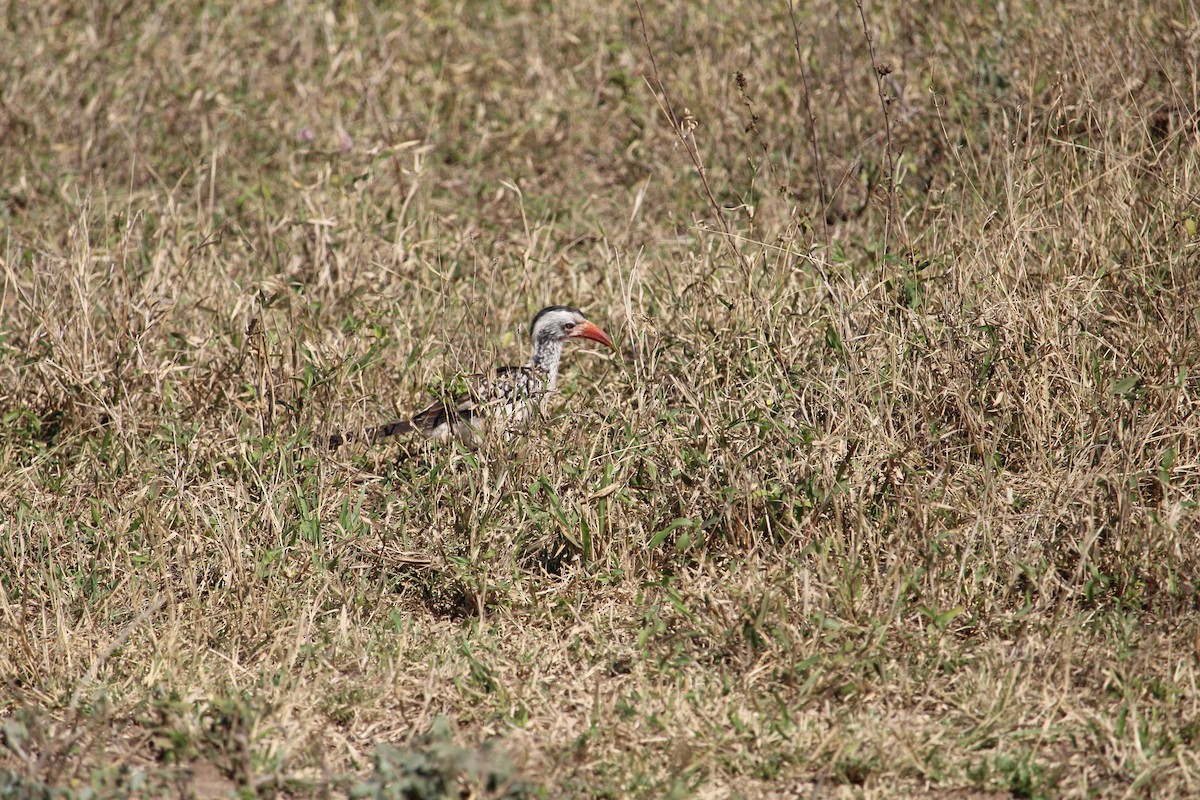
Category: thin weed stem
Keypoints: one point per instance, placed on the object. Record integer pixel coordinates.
(881, 71)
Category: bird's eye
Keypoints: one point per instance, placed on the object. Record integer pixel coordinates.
(568, 326)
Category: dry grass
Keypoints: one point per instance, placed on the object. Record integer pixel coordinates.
(891, 495)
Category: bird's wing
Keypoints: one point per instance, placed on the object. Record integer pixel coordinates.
(442, 412)
(448, 415)
(512, 386)
(506, 396)
(495, 398)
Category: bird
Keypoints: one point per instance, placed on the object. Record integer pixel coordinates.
(507, 398)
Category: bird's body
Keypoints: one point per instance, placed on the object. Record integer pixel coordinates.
(508, 398)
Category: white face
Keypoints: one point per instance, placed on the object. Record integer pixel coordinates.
(557, 325)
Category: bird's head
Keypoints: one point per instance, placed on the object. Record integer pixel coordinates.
(558, 323)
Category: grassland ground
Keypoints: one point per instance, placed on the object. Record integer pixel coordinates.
(891, 491)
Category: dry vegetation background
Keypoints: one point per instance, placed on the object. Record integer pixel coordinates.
(893, 490)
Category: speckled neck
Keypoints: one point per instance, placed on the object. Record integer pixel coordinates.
(546, 354)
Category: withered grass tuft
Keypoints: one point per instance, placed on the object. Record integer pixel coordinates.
(892, 492)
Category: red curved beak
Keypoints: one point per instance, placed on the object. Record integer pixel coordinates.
(587, 330)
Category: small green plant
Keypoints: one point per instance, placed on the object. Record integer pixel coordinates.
(15, 785)
(433, 767)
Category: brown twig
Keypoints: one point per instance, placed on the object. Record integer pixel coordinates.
(684, 129)
(812, 124)
(881, 71)
(56, 751)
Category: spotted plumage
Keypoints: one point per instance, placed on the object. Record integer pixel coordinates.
(507, 398)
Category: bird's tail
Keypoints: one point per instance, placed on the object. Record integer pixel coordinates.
(397, 428)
